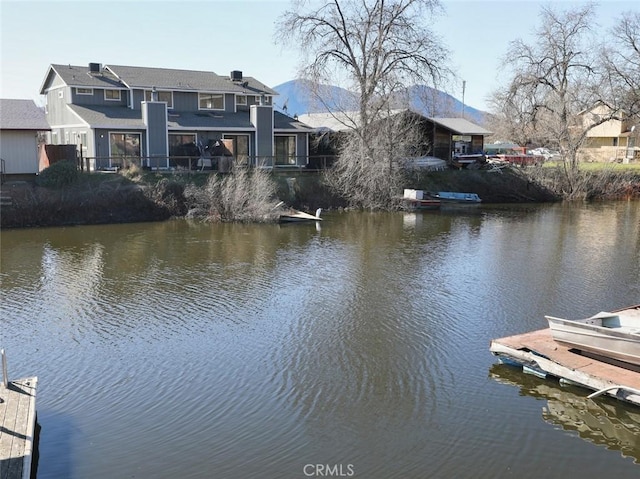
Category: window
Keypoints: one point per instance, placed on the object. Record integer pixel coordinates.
(112, 95)
(240, 149)
(267, 100)
(615, 141)
(241, 100)
(285, 150)
(183, 145)
(166, 96)
(211, 101)
(124, 144)
(84, 91)
(82, 140)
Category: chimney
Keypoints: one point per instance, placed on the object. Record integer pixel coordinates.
(236, 75)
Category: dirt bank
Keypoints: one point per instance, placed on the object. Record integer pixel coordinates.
(100, 199)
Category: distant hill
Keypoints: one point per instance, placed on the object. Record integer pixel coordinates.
(294, 99)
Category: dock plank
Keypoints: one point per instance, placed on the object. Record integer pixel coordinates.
(538, 348)
(17, 427)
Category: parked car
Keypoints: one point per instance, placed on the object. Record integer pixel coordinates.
(545, 152)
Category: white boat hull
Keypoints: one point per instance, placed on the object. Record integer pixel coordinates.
(611, 335)
(294, 216)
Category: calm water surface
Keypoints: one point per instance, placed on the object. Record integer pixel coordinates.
(179, 349)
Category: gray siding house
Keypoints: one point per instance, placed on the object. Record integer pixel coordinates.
(20, 123)
(166, 118)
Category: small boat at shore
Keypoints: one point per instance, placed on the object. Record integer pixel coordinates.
(418, 200)
(456, 198)
(613, 335)
(294, 216)
(424, 204)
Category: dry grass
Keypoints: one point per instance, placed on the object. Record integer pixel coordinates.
(242, 196)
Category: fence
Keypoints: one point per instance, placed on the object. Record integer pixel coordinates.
(221, 164)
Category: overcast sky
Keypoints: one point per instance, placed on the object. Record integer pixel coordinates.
(221, 36)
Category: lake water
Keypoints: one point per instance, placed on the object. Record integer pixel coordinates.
(358, 348)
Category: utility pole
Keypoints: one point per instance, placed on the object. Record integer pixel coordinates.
(464, 85)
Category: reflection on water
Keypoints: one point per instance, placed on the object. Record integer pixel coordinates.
(602, 421)
(242, 351)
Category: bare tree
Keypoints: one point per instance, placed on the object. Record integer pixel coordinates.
(621, 61)
(374, 182)
(374, 48)
(512, 118)
(557, 81)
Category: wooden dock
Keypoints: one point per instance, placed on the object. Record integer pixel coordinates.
(539, 354)
(17, 426)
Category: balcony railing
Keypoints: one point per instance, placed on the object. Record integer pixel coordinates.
(221, 164)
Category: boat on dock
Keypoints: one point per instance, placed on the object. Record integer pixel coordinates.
(541, 354)
(613, 335)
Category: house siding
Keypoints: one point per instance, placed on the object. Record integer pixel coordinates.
(154, 115)
(56, 110)
(86, 99)
(262, 120)
(185, 101)
(19, 150)
(302, 149)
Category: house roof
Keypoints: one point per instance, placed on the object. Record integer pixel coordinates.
(461, 126)
(111, 117)
(339, 121)
(22, 115)
(330, 121)
(80, 76)
(121, 76)
(186, 80)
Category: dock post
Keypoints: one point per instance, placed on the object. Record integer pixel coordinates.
(5, 379)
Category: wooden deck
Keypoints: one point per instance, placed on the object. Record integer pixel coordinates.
(539, 353)
(17, 427)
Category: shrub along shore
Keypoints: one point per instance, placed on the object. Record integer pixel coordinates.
(68, 198)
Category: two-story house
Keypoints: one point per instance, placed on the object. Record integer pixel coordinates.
(610, 140)
(164, 118)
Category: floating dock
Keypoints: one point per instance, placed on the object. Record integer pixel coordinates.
(17, 426)
(539, 354)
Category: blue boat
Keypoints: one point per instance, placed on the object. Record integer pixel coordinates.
(454, 197)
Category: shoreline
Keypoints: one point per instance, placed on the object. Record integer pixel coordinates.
(113, 199)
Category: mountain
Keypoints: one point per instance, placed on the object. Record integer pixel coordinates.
(295, 99)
